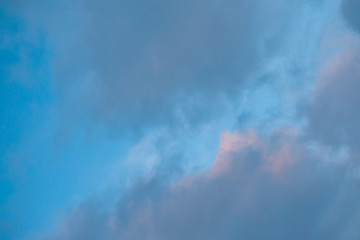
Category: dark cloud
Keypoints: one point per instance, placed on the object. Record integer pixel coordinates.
(350, 10)
(258, 188)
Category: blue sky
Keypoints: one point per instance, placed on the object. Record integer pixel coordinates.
(179, 119)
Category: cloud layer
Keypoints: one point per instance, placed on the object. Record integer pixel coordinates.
(258, 188)
(139, 63)
(161, 68)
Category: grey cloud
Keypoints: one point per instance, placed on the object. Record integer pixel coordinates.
(258, 188)
(334, 113)
(138, 62)
(350, 10)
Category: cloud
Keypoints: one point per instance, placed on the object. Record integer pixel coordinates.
(134, 63)
(334, 113)
(268, 188)
(138, 64)
(350, 10)
(260, 187)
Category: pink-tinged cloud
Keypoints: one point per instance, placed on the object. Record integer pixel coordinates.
(277, 159)
(258, 188)
(334, 111)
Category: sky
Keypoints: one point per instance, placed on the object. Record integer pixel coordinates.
(192, 119)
